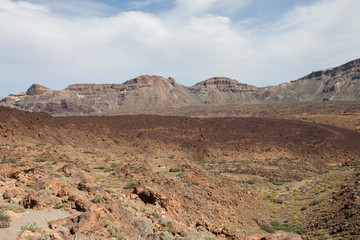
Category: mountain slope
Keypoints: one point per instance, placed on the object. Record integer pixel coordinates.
(154, 92)
(339, 83)
(141, 93)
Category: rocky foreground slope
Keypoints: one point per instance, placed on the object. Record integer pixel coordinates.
(154, 92)
(153, 177)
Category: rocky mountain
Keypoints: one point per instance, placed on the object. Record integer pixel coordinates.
(154, 92)
(224, 91)
(339, 83)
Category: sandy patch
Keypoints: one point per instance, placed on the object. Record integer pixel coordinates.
(40, 217)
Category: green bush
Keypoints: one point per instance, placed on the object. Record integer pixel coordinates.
(276, 226)
(97, 198)
(115, 230)
(131, 184)
(12, 207)
(38, 160)
(61, 202)
(4, 217)
(11, 160)
(29, 226)
(177, 169)
(167, 225)
(313, 203)
(266, 228)
(278, 183)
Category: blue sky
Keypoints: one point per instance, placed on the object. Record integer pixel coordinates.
(60, 42)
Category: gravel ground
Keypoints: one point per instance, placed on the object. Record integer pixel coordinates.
(40, 217)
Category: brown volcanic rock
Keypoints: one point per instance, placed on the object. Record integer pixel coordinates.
(209, 200)
(36, 89)
(245, 136)
(224, 83)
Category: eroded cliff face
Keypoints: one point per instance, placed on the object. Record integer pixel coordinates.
(339, 83)
(154, 92)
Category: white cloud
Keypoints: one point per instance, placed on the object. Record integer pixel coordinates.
(190, 42)
(142, 3)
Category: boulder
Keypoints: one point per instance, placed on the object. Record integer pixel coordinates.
(151, 195)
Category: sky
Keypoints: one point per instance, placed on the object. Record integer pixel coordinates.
(260, 42)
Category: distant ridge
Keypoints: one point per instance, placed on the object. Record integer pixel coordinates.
(154, 92)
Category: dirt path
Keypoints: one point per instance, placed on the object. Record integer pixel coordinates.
(37, 216)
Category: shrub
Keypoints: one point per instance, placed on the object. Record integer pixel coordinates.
(44, 192)
(99, 167)
(266, 228)
(97, 198)
(29, 226)
(38, 160)
(114, 165)
(4, 217)
(11, 160)
(298, 178)
(313, 203)
(167, 225)
(177, 169)
(251, 182)
(131, 184)
(12, 207)
(61, 202)
(115, 230)
(181, 174)
(275, 226)
(278, 183)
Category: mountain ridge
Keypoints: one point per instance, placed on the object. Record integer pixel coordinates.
(147, 92)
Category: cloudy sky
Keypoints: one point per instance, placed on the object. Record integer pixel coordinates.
(261, 42)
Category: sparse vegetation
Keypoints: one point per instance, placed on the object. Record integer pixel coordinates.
(167, 225)
(177, 169)
(275, 226)
(44, 192)
(10, 160)
(30, 227)
(4, 217)
(97, 198)
(12, 207)
(62, 202)
(115, 230)
(39, 160)
(299, 192)
(131, 184)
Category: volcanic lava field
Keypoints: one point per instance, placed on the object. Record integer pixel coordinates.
(178, 177)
